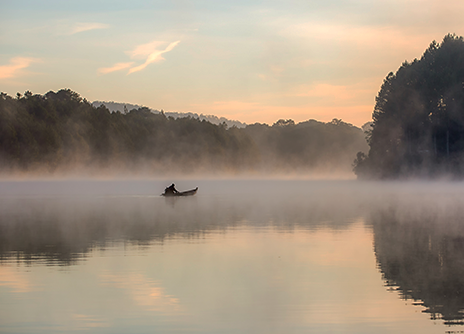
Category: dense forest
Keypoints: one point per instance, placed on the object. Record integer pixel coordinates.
(418, 118)
(61, 132)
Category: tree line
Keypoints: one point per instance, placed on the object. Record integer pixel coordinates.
(61, 131)
(418, 118)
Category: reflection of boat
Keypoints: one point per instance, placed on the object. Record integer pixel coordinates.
(168, 193)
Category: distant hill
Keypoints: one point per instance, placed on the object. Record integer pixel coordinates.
(117, 106)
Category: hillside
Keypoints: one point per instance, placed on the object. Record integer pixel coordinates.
(126, 107)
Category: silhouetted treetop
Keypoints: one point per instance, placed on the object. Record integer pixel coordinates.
(418, 118)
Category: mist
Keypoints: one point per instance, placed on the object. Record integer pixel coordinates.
(371, 242)
(134, 210)
(62, 135)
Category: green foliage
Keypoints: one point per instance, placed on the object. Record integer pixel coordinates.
(62, 131)
(311, 145)
(418, 119)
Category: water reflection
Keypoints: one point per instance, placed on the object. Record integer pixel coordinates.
(61, 231)
(420, 252)
(270, 257)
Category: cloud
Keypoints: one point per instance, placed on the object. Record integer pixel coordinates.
(154, 56)
(116, 67)
(148, 51)
(86, 322)
(16, 64)
(357, 36)
(86, 26)
(144, 50)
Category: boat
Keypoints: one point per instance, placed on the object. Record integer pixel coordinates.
(168, 193)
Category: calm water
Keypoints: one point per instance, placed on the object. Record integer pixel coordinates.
(239, 257)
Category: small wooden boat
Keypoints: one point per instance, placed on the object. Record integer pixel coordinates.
(168, 193)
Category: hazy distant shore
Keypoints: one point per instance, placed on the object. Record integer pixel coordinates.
(61, 134)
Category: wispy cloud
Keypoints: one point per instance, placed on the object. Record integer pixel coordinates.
(86, 26)
(144, 50)
(116, 67)
(86, 322)
(13, 68)
(152, 57)
(149, 51)
(357, 35)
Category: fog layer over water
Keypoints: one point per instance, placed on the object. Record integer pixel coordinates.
(242, 256)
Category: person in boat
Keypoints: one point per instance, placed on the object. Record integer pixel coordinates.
(171, 189)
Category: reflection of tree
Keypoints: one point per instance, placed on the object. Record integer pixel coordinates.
(424, 259)
(62, 232)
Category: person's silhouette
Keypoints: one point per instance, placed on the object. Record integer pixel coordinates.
(171, 189)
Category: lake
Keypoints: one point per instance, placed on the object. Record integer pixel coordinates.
(241, 256)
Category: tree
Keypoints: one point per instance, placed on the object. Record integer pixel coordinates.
(418, 118)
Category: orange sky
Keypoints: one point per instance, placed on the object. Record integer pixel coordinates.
(244, 60)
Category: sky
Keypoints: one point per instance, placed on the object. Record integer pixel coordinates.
(252, 61)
